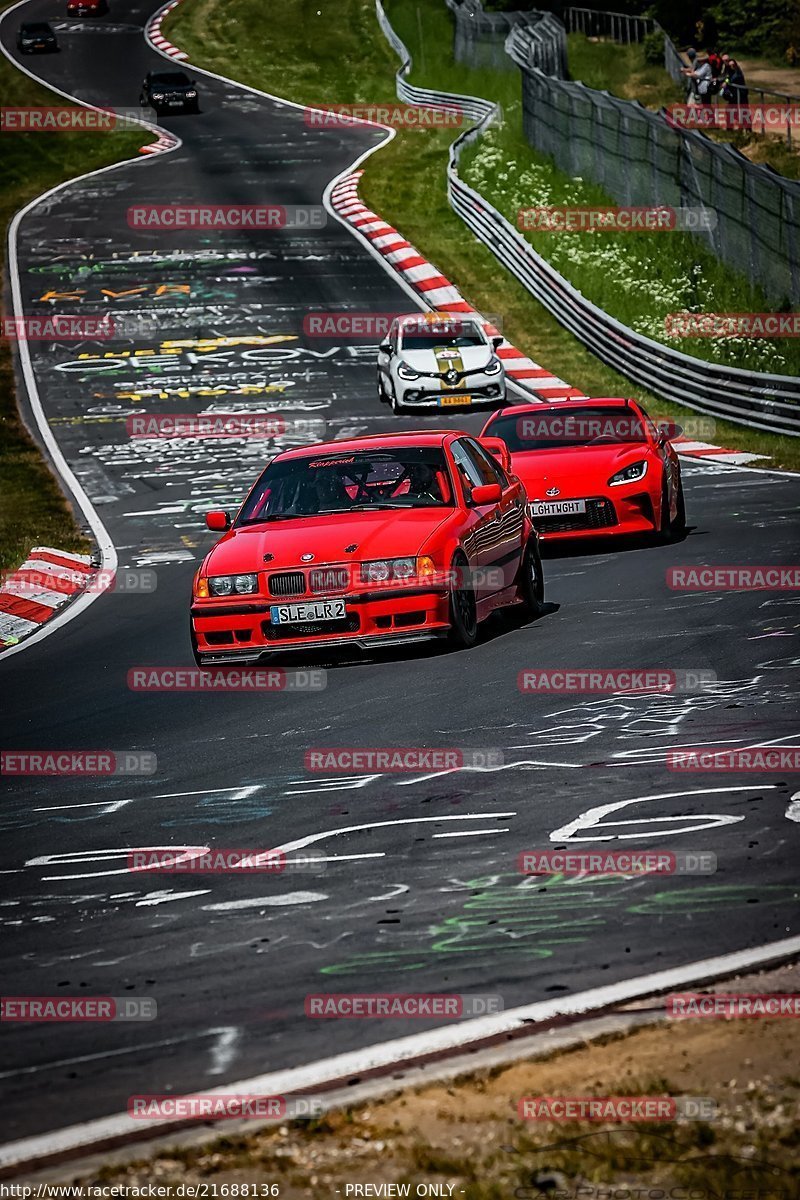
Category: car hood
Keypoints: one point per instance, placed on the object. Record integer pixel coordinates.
(441, 358)
(389, 533)
(580, 471)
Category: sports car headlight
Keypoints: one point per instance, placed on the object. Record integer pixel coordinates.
(158, 95)
(230, 585)
(630, 474)
(384, 569)
(405, 371)
(493, 366)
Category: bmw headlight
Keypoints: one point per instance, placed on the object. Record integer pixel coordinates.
(493, 367)
(230, 585)
(384, 569)
(158, 95)
(405, 371)
(191, 94)
(629, 474)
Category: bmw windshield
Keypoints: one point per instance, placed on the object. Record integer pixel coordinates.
(360, 481)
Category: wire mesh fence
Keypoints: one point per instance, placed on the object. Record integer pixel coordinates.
(641, 157)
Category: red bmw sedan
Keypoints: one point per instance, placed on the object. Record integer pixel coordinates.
(372, 542)
(592, 468)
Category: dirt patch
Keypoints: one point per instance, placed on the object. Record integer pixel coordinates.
(777, 79)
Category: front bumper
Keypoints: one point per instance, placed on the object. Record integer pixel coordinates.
(431, 393)
(242, 631)
(173, 106)
(605, 516)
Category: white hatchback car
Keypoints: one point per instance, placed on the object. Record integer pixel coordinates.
(434, 360)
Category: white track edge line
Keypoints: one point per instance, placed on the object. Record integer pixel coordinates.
(393, 1054)
(108, 553)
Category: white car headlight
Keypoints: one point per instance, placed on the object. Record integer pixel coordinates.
(229, 585)
(493, 367)
(406, 372)
(630, 474)
(382, 569)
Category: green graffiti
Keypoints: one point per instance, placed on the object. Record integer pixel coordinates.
(531, 918)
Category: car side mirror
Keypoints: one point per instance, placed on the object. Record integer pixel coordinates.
(218, 520)
(486, 493)
(668, 430)
(497, 342)
(498, 449)
(385, 347)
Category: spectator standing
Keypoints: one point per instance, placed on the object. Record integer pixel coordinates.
(702, 79)
(735, 84)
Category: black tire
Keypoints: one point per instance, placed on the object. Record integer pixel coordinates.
(395, 405)
(669, 530)
(663, 533)
(463, 606)
(531, 583)
(382, 393)
(678, 527)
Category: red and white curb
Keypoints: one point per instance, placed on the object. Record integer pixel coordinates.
(164, 143)
(736, 458)
(26, 602)
(153, 32)
(436, 290)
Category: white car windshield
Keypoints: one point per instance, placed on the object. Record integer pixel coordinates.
(459, 336)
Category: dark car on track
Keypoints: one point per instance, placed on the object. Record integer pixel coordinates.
(169, 91)
(36, 37)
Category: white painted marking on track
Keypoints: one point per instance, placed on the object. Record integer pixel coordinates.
(471, 833)
(309, 839)
(590, 819)
(224, 1050)
(82, 1058)
(288, 898)
(78, 857)
(167, 896)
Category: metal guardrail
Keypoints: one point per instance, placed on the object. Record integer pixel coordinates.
(543, 46)
(480, 36)
(761, 401)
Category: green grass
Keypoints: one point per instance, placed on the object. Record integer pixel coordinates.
(33, 510)
(405, 181)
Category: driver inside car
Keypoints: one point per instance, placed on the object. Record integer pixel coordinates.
(422, 484)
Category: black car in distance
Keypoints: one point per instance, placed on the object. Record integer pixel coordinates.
(36, 37)
(169, 91)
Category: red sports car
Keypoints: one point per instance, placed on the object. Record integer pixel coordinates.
(371, 542)
(592, 467)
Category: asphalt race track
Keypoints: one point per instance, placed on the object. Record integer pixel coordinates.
(424, 895)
